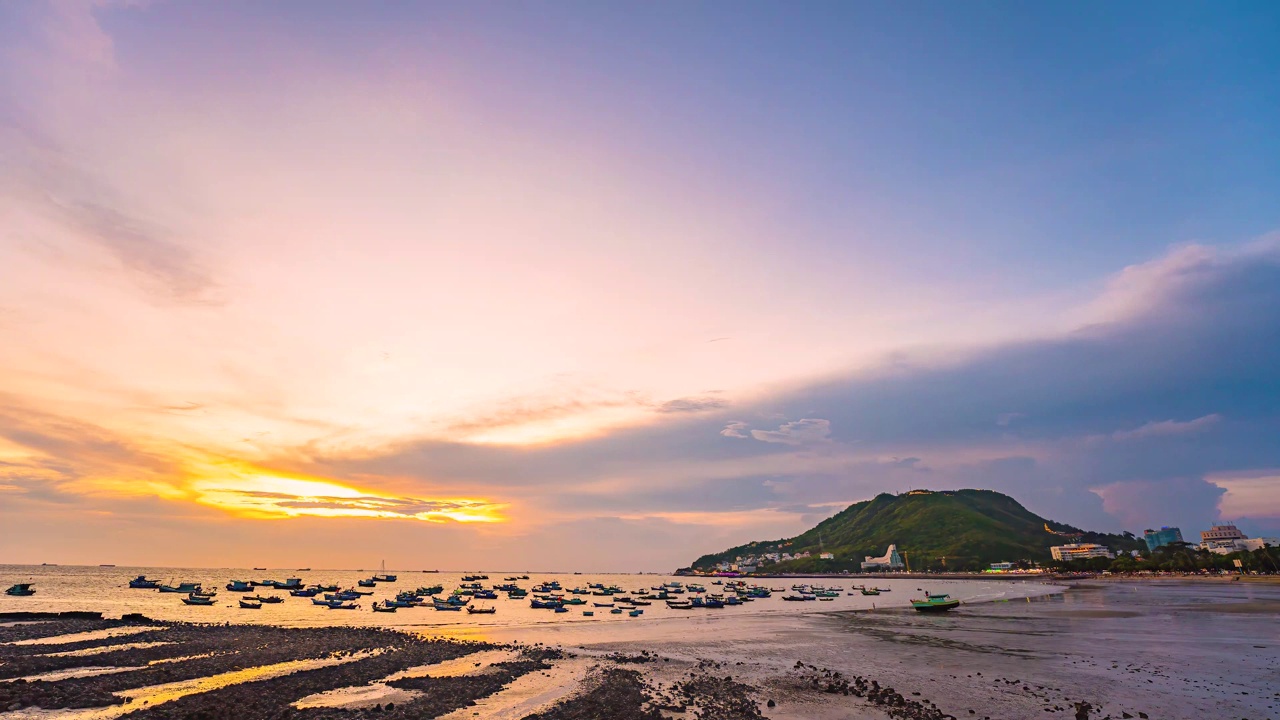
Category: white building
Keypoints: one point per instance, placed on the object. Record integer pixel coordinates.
(1221, 532)
(827, 556)
(1228, 546)
(891, 560)
(1079, 551)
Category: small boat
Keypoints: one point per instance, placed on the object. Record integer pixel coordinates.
(142, 583)
(21, 590)
(197, 600)
(596, 604)
(561, 608)
(259, 568)
(184, 588)
(935, 603)
(308, 593)
(382, 576)
(616, 611)
(481, 610)
(446, 606)
(865, 591)
(239, 586)
(248, 604)
(343, 606)
(588, 613)
(372, 582)
(636, 613)
(268, 599)
(384, 608)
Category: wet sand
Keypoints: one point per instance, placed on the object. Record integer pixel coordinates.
(1098, 650)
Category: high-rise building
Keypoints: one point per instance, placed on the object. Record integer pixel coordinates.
(1164, 536)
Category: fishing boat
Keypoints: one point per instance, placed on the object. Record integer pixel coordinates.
(239, 586)
(481, 610)
(445, 606)
(197, 600)
(596, 604)
(21, 590)
(935, 603)
(873, 591)
(248, 604)
(268, 599)
(308, 593)
(343, 606)
(382, 576)
(371, 582)
(636, 613)
(383, 608)
(185, 588)
(561, 609)
(142, 583)
(588, 613)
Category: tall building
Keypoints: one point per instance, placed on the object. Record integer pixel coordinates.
(1164, 536)
(1079, 551)
(1221, 532)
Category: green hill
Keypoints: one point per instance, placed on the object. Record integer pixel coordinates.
(948, 529)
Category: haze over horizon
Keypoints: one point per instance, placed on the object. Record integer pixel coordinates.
(592, 287)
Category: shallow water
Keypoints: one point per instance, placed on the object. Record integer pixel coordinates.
(106, 590)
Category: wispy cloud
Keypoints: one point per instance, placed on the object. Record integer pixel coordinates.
(798, 432)
(1168, 427)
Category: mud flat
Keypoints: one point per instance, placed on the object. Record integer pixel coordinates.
(1099, 652)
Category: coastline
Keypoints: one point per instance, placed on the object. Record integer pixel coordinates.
(1086, 650)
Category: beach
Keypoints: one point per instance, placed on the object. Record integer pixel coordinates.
(1093, 650)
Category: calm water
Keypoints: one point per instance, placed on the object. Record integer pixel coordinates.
(107, 590)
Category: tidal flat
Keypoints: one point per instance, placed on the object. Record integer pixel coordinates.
(1094, 650)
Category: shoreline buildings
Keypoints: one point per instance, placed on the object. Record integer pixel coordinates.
(1164, 536)
(891, 560)
(1079, 551)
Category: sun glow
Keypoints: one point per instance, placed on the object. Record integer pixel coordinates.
(261, 495)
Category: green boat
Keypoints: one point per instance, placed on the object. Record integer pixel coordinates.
(935, 603)
(869, 592)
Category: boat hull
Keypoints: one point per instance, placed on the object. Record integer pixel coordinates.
(935, 607)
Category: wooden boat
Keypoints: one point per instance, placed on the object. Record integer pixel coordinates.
(239, 586)
(445, 606)
(596, 604)
(384, 608)
(561, 609)
(935, 603)
(184, 588)
(481, 610)
(142, 583)
(197, 600)
(248, 604)
(371, 582)
(383, 576)
(21, 590)
(268, 599)
(343, 606)
(865, 591)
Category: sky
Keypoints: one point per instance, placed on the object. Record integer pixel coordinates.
(609, 286)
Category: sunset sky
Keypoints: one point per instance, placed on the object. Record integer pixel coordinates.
(608, 286)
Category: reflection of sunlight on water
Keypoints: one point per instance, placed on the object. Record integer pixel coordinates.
(105, 648)
(91, 635)
(378, 692)
(72, 673)
(156, 694)
(529, 693)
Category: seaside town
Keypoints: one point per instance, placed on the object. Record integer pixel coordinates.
(1165, 549)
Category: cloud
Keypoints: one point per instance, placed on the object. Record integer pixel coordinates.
(692, 405)
(798, 432)
(735, 430)
(1168, 427)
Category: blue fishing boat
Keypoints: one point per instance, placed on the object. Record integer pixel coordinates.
(197, 600)
(21, 590)
(239, 586)
(343, 606)
(142, 583)
(446, 606)
(308, 593)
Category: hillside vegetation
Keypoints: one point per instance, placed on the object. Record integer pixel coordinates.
(949, 529)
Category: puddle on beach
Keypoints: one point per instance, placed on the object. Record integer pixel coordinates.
(528, 694)
(105, 648)
(152, 695)
(378, 692)
(69, 673)
(90, 635)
